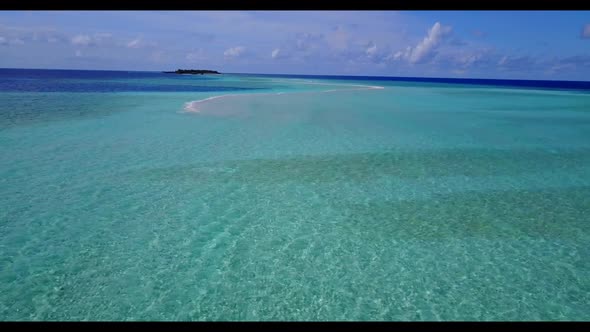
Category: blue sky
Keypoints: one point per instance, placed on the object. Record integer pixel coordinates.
(481, 44)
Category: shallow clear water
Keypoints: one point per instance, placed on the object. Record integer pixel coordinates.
(292, 201)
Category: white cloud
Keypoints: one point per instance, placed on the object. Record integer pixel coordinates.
(429, 43)
(399, 55)
(425, 49)
(371, 50)
(234, 52)
(135, 43)
(12, 41)
(307, 41)
(21, 35)
(139, 42)
(275, 53)
(568, 64)
(516, 63)
(586, 31)
(83, 40)
(86, 40)
(468, 59)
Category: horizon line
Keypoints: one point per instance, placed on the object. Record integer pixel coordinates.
(329, 75)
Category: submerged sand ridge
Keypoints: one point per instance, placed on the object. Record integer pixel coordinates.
(195, 105)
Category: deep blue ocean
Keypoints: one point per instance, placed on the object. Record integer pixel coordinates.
(48, 80)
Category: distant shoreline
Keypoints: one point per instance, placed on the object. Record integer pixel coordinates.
(568, 85)
(192, 71)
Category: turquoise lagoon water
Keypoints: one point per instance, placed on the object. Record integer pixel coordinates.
(290, 199)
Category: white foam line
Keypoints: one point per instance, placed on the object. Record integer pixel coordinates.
(357, 87)
(192, 106)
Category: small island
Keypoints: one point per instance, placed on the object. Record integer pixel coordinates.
(192, 71)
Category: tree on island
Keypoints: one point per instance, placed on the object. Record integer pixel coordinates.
(193, 71)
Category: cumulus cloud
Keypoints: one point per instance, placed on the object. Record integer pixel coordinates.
(426, 49)
(516, 63)
(135, 43)
(139, 42)
(487, 59)
(586, 31)
(371, 50)
(82, 40)
(568, 64)
(11, 41)
(576, 60)
(20, 35)
(469, 58)
(399, 55)
(87, 40)
(306, 41)
(429, 44)
(234, 52)
(275, 53)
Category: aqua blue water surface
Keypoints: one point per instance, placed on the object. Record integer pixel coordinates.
(291, 198)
